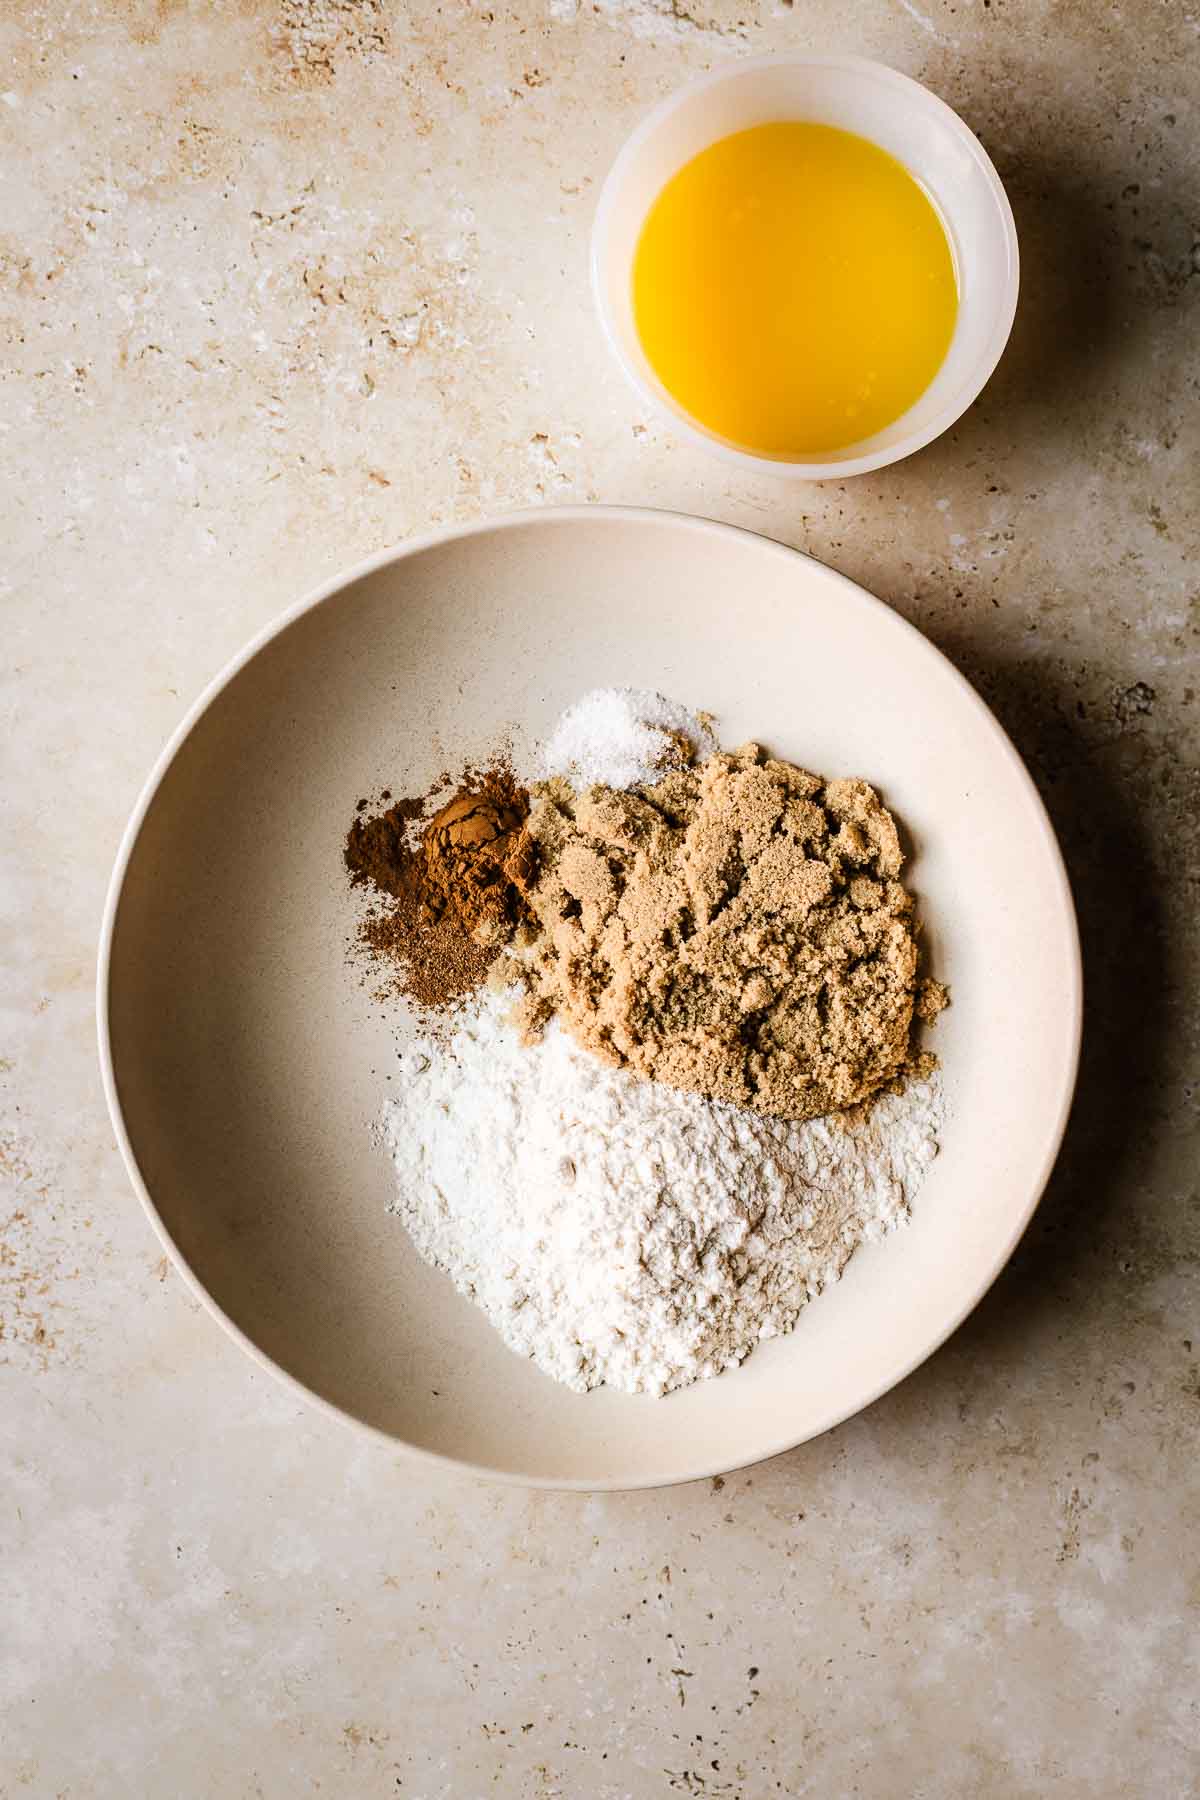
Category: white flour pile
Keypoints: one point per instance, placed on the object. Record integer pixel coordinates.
(620, 737)
(618, 1231)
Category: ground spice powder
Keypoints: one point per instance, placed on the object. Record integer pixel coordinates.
(450, 894)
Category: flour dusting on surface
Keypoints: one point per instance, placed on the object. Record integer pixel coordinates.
(620, 1232)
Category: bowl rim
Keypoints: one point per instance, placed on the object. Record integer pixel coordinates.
(329, 589)
(808, 469)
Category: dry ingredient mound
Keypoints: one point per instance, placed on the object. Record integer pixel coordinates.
(617, 1231)
(622, 737)
(449, 894)
(737, 931)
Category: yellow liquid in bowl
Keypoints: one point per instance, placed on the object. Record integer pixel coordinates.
(794, 289)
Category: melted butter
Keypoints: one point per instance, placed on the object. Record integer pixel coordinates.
(794, 289)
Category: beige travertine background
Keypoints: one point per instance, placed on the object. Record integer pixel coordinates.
(280, 283)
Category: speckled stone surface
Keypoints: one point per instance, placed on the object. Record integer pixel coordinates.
(282, 282)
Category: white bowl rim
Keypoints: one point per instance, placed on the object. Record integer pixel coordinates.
(327, 590)
(748, 460)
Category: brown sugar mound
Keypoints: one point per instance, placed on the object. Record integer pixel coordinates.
(738, 930)
(454, 896)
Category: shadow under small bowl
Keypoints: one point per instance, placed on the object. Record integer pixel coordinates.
(892, 111)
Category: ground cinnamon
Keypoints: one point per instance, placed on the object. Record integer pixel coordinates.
(455, 891)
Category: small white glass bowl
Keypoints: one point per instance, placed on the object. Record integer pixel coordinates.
(899, 115)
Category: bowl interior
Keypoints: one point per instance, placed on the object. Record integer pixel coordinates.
(248, 1058)
(892, 111)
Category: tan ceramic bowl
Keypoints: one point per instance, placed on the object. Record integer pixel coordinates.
(245, 1062)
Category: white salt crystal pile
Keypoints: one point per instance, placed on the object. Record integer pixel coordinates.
(621, 738)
